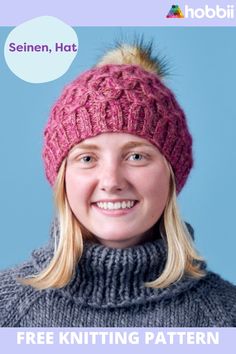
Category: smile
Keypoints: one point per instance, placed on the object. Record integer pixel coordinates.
(116, 208)
(116, 205)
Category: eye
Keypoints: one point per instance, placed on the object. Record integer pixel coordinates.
(86, 159)
(136, 157)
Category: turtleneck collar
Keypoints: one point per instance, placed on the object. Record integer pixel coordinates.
(110, 277)
(115, 277)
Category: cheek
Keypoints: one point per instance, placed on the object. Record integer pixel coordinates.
(154, 184)
(78, 189)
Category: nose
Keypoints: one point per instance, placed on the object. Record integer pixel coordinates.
(112, 178)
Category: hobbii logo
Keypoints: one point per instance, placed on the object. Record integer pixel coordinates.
(201, 12)
(209, 12)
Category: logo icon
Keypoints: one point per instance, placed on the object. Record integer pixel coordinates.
(175, 12)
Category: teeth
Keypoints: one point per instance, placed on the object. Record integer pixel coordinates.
(115, 206)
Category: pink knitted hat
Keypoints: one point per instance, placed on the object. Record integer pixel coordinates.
(123, 98)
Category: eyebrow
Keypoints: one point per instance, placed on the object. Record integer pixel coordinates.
(129, 145)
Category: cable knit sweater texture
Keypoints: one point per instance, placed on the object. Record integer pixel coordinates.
(108, 290)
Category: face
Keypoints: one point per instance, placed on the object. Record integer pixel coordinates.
(117, 186)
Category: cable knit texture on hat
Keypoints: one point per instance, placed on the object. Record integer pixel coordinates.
(118, 98)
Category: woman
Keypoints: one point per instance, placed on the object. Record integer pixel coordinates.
(117, 150)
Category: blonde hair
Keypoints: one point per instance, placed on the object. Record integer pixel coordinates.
(181, 255)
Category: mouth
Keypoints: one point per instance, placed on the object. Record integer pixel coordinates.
(115, 208)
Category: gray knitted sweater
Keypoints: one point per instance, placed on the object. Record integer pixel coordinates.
(108, 290)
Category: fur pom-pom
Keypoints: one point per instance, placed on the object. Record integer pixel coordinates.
(137, 53)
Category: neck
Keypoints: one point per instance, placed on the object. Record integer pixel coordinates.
(148, 236)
